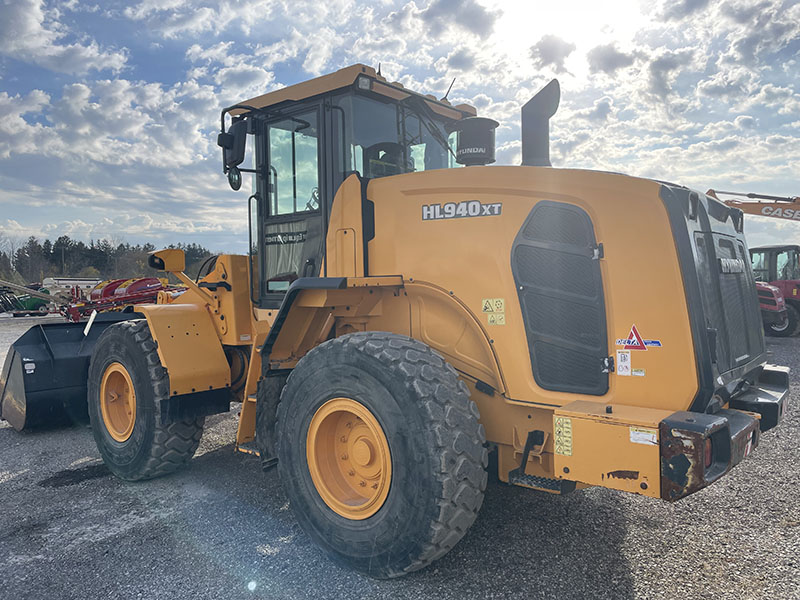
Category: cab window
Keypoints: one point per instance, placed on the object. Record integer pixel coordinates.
(787, 267)
(386, 138)
(760, 266)
(294, 168)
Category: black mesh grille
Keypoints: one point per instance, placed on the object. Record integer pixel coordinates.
(553, 318)
(561, 296)
(561, 226)
(555, 270)
(563, 369)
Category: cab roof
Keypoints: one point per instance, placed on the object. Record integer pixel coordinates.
(345, 78)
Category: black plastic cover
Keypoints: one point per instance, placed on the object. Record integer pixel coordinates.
(720, 292)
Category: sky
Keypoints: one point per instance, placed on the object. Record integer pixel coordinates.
(109, 110)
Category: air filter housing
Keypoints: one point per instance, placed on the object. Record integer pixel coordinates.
(474, 141)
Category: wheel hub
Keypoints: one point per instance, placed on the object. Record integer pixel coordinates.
(118, 402)
(349, 458)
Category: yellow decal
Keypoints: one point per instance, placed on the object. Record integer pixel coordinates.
(563, 436)
(496, 319)
(493, 305)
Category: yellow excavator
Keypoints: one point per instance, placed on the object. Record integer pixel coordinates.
(407, 315)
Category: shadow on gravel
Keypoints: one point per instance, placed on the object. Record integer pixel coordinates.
(73, 476)
(525, 544)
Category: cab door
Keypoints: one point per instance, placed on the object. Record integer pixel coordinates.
(291, 227)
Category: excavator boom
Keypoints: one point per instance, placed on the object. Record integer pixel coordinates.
(763, 205)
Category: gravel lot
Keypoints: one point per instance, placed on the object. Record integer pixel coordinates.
(222, 529)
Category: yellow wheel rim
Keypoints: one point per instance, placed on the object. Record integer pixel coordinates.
(348, 458)
(118, 402)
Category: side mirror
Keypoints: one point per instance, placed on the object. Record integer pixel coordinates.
(172, 260)
(233, 143)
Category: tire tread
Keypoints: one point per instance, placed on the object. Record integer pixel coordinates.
(451, 426)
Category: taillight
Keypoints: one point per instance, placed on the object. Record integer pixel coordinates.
(708, 453)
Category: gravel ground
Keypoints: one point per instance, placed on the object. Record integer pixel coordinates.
(222, 529)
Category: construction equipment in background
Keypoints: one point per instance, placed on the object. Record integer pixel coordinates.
(26, 300)
(116, 294)
(774, 313)
(76, 287)
(776, 264)
(398, 321)
(762, 205)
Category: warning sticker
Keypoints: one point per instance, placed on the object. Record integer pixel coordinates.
(496, 319)
(493, 305)
(563, 436)
(640, 435)
(634, 341)
(638, 372)
(624, 363)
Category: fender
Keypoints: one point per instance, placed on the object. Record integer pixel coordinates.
(317, 308)
(188, 346)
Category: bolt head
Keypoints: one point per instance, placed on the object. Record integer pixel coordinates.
(344, 456)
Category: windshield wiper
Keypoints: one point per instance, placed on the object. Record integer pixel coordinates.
(425, 118)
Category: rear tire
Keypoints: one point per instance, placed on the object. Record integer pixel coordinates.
(788, 327)
(413, 403)
(149, 449)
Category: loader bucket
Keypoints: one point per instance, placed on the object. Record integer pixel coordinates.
(43, 381)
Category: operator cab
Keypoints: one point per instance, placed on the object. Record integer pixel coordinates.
(305, 140)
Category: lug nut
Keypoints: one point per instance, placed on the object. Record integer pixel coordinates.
(363, 484)
(344, 456)
(374, 486)
(351, 472)
(343, 439)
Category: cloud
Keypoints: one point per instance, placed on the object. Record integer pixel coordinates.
(599, 112)
(26, 34)
(467, 15)
(727, 84)
(763, 31)
(607, 59)
(676, 10)
(782, 98)
(662, 71)
(551, 51)
(462, 59)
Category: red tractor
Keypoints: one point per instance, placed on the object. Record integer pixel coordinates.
(779, 266)
(774, 314)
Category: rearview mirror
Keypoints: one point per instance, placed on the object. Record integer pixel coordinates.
(233, 143)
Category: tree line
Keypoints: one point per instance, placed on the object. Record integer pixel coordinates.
(31, 261)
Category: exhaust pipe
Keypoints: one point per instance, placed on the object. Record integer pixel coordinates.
(536, 115)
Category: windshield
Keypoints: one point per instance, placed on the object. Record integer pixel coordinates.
(385, 138)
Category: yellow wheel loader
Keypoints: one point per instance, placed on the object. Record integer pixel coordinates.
(408, 314)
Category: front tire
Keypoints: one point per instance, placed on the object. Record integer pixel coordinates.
(127, 384)
(380, 452)
(789, 325)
